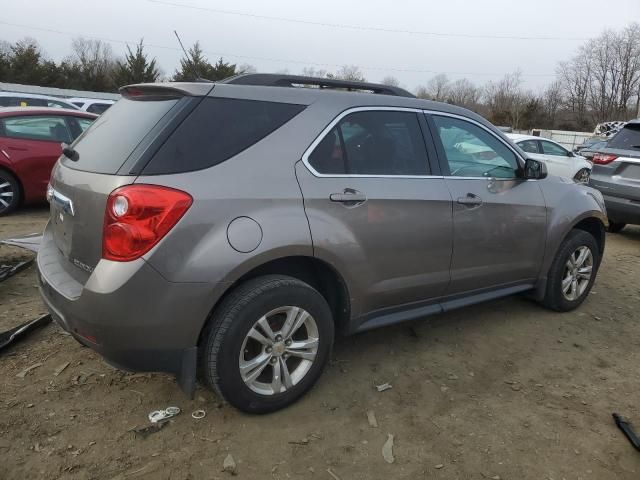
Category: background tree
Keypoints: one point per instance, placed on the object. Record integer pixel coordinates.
(349, 72)
(136, 67)
(391, 81)
(438, 88)
(464, 94)
(91, 66)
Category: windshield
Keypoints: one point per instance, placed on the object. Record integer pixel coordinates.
(627, 139)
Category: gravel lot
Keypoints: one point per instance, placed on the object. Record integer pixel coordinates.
(503, 390)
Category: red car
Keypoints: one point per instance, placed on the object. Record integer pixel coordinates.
(30, 144)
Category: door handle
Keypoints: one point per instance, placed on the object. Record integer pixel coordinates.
(470, 200)
(348, 197)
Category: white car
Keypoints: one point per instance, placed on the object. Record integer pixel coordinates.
(92, 105)
(560, 161)
(13, 99)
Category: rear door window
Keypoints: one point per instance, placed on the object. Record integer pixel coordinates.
(32, 127)
(111, 138)
(530, 146)
(626, 139)
(385, 142)
(218, 129)
(98, 108)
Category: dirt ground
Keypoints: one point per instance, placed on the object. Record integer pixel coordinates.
(503, 390)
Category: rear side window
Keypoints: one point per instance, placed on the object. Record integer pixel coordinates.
(98, 108)
(28, 127)
(373, 143)
(530, 146)
(553, 149)
(626, 139)
(108, 142)
(218, 129)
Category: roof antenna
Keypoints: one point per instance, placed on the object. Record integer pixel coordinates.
(195, 68)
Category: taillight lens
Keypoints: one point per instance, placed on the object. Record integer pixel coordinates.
(603, 158)
(137, 217)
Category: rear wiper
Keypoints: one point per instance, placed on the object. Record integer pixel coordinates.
(70, 153)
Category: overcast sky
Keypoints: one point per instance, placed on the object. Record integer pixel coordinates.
(411, 40)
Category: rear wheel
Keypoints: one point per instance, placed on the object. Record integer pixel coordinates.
(9, 192)
(616, 227)
(267, 343)
(572, 272)
(582, 176)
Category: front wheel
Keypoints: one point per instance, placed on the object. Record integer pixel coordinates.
(572, 272)
(582, 176)
(267, 343)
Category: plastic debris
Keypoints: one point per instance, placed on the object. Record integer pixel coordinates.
(198, 414)
(383, 387)
(24, 372)
(7, 271)
(371, 418)
(160, 415)
(28, 242)
(387, 450)
(229, 465)
(8, 337)
(60, 369)
(624, 425)
(144, 432)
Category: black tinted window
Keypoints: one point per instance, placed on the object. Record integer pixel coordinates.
(373, 143)
(218, 129)
(110, 139)
(627, 139)
(98, 108)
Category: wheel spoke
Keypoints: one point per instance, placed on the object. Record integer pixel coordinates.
(309, 343)
(276, 382)
(585, 272)
(582, 256)
(566, 283)
(6, 204)
(266, 328)
(6, 194)
(286, 376)
(295, 319)
(251, 369)
(5, 184)
(304, 354)
(256, 335)
(574, 289)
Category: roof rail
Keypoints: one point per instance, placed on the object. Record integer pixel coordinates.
(276, 80)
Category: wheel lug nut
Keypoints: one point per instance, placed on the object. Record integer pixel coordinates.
(287, 343)
(269, 349)
(274, 360)
(278, 338)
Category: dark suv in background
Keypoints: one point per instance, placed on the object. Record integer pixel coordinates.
(616, 173)
(234, 228)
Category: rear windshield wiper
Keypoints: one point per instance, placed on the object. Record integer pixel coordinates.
(70, 153)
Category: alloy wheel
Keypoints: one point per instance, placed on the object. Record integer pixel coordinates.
(577, 273)
(6, 194)
(279, 350)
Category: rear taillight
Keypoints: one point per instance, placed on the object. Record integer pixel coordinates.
(603, 158)
(137, 217)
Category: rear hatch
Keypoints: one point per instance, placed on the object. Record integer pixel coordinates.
(621, 176)
(110, 154)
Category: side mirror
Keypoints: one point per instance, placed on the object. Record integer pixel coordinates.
(534, 169)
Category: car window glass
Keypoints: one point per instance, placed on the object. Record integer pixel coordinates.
(471, 151)
(373, 143)
(55, 104)
(84, 123)
(552, 149)
(37, 128)
(98, 108)
(627, 138)
(530, 146)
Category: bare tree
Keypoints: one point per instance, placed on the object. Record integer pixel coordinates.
(349, 72)
(464, 94)
(438, 88)
(506, 100)
(551, 102)
(422, 92)
(95, 63)
(313, 72)
(391, 81)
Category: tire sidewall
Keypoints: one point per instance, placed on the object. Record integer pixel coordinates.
(229, 380)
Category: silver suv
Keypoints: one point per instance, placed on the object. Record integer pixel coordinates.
(233, 229)
(616, 173)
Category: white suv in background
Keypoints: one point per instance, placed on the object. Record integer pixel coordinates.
(560, 161)
(13, 99)
(92, 105)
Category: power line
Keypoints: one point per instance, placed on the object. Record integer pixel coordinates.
(266, 59)
(361, 27)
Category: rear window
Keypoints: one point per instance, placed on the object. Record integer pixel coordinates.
(108, 142)
(218, 129)
(626, 139)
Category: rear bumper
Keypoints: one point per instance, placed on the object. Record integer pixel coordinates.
(130, 314)
(622, 210)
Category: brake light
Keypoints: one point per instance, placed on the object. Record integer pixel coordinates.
(603, 158)
(137, 217)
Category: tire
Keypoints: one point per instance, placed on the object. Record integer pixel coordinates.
(226, 337)
(9, 193)
(616, 227)
(582, 176)
(557, 299)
